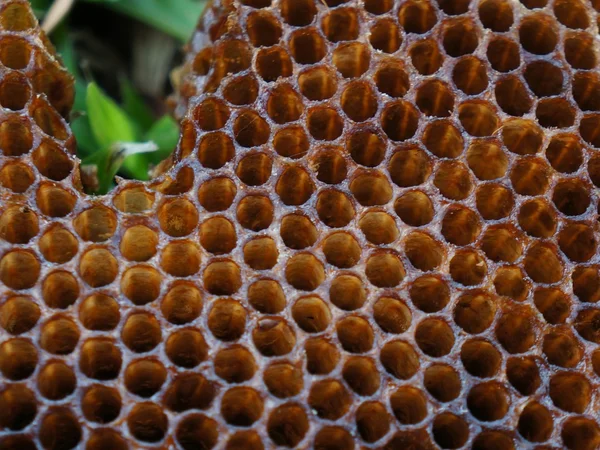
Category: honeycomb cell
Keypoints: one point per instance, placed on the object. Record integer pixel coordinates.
(468, 268)
(522, 137)
(141, 332)
(18, 359)
(355, 334)
(245, 440)
(19, 314)
(331, 166)
(99, 312)
(147, 422)
(347, 292)
(341, 24)
(435, 99)
(391, 78)
(19, 407)
(216, 149)
(554, 305)
(19, 269)
(255, 212)
(59, 429)
(306, 45)
(460, 37)
(241, 91)
(333, 437)
(189, 391)
(49, 121)
(283, 380)
(180, 258)
(515, 330)
(263, 29)
(253, 170)
(399, 359)
(241, 406)
(359, 101)
(273, 63)
(480, 358)
(423, 251)
(475, 311)
(429, 293)
(141, 284)
(329, 399)
(488, 401)
(304, 272)
(105, 438)
(385, 36)
(570, 392)
(409, 167)
(144, 377)
(197, 431)
(513, 98)
(392, 315)
(510, 282)
(400, 120)
(414, 208)
(580, 433)
(460, 225)
(16, 177)
(139, 243)
(101, 404)
(565, 153)
(100, 359)
(497, 15)
(273, 337)
(434, 337)
(384, 270)
(295, 186)
(538, 34)
(287, 425)
(217, 235)
(409, 405)
(186, 348)
(579, 51)
(417, 17)
(586, 283)
(453, 180)
(523, 374)
(60, 290)
(450, 430)
(133, 200)
(351, 59)
(321, 356)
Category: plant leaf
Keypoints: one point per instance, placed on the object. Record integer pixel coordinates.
(165, 134)
(134, 105)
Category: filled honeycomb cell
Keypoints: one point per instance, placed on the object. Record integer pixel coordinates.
(378, 230)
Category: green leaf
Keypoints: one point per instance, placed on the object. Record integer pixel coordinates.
(134, 105)
(165, 134)
(177, 18)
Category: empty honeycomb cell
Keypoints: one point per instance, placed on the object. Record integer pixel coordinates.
(298, 13)
(384, 270)
(580, 433)
(15, 91)
(19, 269)
(212, 114)
(273, 337)
(297, 231)
(586, 325)
(355, 334)
(334, 209)
(372, 421)
(180, 258)
(60, 289)
(487, 160)
(544, 79)
(515, 330)
(543, 264)
(186, 348)
(19, 314)
(18, 224)
(144, 377)
(480, 358)
(537, 218)
(18, 359)
(105, 438)
(99, 312)
(227, 320)
(426, 56)
(454, 7)
(443, 139)
(284, 104)
(287, 425)
(273, 63)
(586, 284)
(48, 119)
(391, 78)
(378, 7)
(321, 356)
(535, 422)
(453, 180)
(359, 101)
(304, 272)
(17, 17)
(261, 253)
(554, 305)
(555, 113)
(475, 310)
(197, 431)
(565, 153)
(241, 91)
(417, 17)
(311, 314)
(51, 161)
(317, 83)
(409, 405)
(59, 429)
(329, 438)
(19, 407)
(255, 212)
(147, 422)
(16, 176)
(585, 91)
(283, 380)
(579, 51)
(400, 120)
(434, 337)
(423, 251)
(478, 118)
(435, 99)
(15, 53)
(366, 147)
(399, 359)
(442, 382)
(352, 59)
(341, 24)
(470, 75)
(247, 439)
(58, 245)
(133, 200)
(571, 14)
(100, 359)
(307, 46)
(371, 188)
(217, 235)
(294, 186)
(570, 391)
(141, 332)
(241, 406)
(291, 142)
(216, 149)
(141, 284)
(577, 242)
(379, 227)
(588, 129)
(263, 29)
(16, 138)
(493, 439)
(325, 124)
(96, 224)
(409, 167)
(178, 217)
(538, 34)
(392, 315)
(362, 375)
(510, 282)
(101, 404)
(414, 208)
(217, 194)
(230, 56)
(503, 54)
(512, 96)
(460, 37)
(488, 401)
(341, 250)
(329, 399)
(222, 277)
(347, 292)
(530, 176)
(523, 374)
(253, 170)
(497, 15)
(429, 293)
(331, 166)
(450, 430)
(385, 36)
(139, 243)
(189, 391)
(571, 196)
(522, 137)
(562, 349)
(500, 243)
(468, 267)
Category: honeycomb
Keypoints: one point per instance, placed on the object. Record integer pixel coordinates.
(379, 230)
